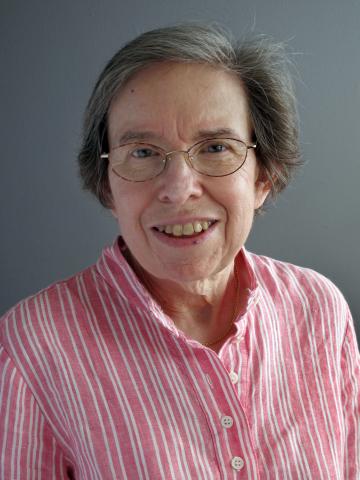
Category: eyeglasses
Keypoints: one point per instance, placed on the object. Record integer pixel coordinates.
(214, 157)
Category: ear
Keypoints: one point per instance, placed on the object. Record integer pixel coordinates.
(262, 189)
(110, 205)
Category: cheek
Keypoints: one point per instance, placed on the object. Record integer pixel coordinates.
(239, 196)
(126, 201)
(240, 210)
(129, 208)
(241, 218)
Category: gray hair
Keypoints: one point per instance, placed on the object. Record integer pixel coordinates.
(261, 65)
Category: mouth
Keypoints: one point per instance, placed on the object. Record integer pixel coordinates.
(188, 230)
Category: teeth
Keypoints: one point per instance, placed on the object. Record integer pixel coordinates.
(178, 230)
(188, 229)
(205, 225)
(197, 227)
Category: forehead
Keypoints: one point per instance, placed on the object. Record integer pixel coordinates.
(175, 98)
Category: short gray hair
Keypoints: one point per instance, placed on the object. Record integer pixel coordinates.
(261, 65)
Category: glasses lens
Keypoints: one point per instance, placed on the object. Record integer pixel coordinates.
(218, 156)
(137, 162)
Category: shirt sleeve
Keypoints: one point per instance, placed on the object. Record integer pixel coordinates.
(350, 363)
(28, 448)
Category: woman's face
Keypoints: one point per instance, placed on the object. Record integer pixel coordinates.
(173, 105)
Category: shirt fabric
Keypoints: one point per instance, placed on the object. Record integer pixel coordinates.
(98, 383)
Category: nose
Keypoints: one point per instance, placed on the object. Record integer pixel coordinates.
(179, 182)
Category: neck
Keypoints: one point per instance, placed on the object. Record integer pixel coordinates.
(204, 310)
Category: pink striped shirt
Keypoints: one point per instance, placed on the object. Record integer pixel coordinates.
(98, 383)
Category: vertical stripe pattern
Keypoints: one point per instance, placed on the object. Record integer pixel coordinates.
(97, 383)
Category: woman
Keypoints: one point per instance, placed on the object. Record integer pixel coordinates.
(180, 354)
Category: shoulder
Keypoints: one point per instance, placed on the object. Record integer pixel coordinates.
(34, 318)
(309, 295)
(270, 270)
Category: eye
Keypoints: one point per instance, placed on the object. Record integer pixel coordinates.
(215, 148)
(143, 152)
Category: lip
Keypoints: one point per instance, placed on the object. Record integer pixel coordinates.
(183, 241)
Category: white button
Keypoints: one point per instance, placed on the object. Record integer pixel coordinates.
(237, 463)
(234, 377)
(227, 421)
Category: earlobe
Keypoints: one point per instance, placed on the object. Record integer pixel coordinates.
(110, 204)
(263, 185)
(262, 191)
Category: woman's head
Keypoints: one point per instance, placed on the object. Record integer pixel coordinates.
(184, 225)
(260, 65)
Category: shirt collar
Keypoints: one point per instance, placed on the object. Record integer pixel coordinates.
(116, 271)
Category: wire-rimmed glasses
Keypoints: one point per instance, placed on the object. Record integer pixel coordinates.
(214, 157)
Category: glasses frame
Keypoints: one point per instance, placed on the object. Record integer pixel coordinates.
(186, 154)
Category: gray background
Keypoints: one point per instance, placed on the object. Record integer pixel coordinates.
(51, 54)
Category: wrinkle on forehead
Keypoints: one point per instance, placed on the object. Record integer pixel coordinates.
(174, 101)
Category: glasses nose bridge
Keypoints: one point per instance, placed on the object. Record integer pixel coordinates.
(184, 154)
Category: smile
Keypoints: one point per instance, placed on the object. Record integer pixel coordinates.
(186, 229)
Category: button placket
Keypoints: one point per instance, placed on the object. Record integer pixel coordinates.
(226, 424)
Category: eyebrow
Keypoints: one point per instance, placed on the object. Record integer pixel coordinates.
(217, 132)
(131, 135)
(139, 136)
